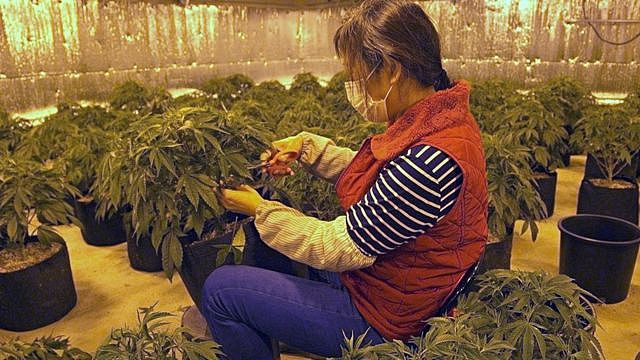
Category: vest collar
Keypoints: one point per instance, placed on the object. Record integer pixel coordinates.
(442, 110)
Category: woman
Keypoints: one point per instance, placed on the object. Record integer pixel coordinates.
(415, 201)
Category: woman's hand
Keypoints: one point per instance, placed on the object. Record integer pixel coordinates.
(283, 154)
(243, 200)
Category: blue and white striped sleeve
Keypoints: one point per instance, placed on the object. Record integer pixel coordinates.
(412, 193)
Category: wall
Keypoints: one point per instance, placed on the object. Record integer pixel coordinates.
(79, 49)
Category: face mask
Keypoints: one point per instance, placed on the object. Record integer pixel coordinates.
(358, 97)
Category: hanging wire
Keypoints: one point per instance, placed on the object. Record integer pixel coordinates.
(599, 35)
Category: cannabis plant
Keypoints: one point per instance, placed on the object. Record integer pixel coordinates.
(512, 194)
(167, 169)
(222, 92)
(566, 97)
(487, 100)
(12, 131)
(133, 97)
(539, 315)
(42, 348)
(151, 339)
(611, 135)
(511, 315)
(307, 114)
(240, 82)
(538, 129)
(307, 84)
(26, 188)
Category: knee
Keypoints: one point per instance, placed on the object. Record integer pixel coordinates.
(220, 279)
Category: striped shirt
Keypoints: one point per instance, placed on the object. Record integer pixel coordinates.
(411, 194)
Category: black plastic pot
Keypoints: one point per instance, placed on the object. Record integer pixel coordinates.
(566, 159)
(199, 259)
(99, 232)
(497, 255)
(546, 187)
(592, 171)
(600, 253)
(38, 295)
(142, 254)
(619, 203)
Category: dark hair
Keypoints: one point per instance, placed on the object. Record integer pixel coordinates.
(378, 31)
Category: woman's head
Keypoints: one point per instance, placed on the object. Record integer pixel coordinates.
(394, 44)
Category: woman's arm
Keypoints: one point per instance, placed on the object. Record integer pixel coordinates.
(321, 157)
(409, 197)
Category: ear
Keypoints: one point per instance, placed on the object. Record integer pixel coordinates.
(394, 72)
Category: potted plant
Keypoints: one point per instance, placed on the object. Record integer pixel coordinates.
(612, 137)
(512, 196)
(632, 103)
(487, 100)
(12, 131)
(75, 138)
(567, 98)
(542, 132)
(307, 84)
(36, 285)
(167, 169)
(133, 97)
(600, 252)
(306, 114)
(151, 339)
(221, 91)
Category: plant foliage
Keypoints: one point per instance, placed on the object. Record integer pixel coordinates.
(168, 167)
(512, 194)
(42, 348)
(611, 134)
(538, 129)
(134, 97)
(26, 188)
(151, 340)
(512, 315)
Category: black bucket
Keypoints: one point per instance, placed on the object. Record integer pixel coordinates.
(618, 203)
(592, 170)
(497, 255)
(38, 295)
(546, 187)
(199, 258)
(600, 253)
(107, 232)
(142, 254)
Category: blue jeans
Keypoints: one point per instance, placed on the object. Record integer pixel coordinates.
(247, 306)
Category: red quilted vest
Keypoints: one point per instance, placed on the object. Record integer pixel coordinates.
(405, 287)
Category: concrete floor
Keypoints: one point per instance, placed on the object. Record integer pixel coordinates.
(109, 291)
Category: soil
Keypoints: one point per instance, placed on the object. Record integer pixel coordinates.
(12, 260)
(615, 184)
(540, 175)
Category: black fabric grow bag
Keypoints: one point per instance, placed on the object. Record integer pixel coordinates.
(199, 259)
(109, 231)
(546, 187)
(592, 170)
(600, 253)
(497, 255)
(38, 295)
(619, 203)
(142, 254)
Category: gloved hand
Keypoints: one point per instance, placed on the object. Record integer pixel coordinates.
(282, 155)
(243, 200)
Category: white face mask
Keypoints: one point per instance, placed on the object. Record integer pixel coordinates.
(376, 111)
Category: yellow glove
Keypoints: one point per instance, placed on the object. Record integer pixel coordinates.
(282, 155)
(243, 200)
